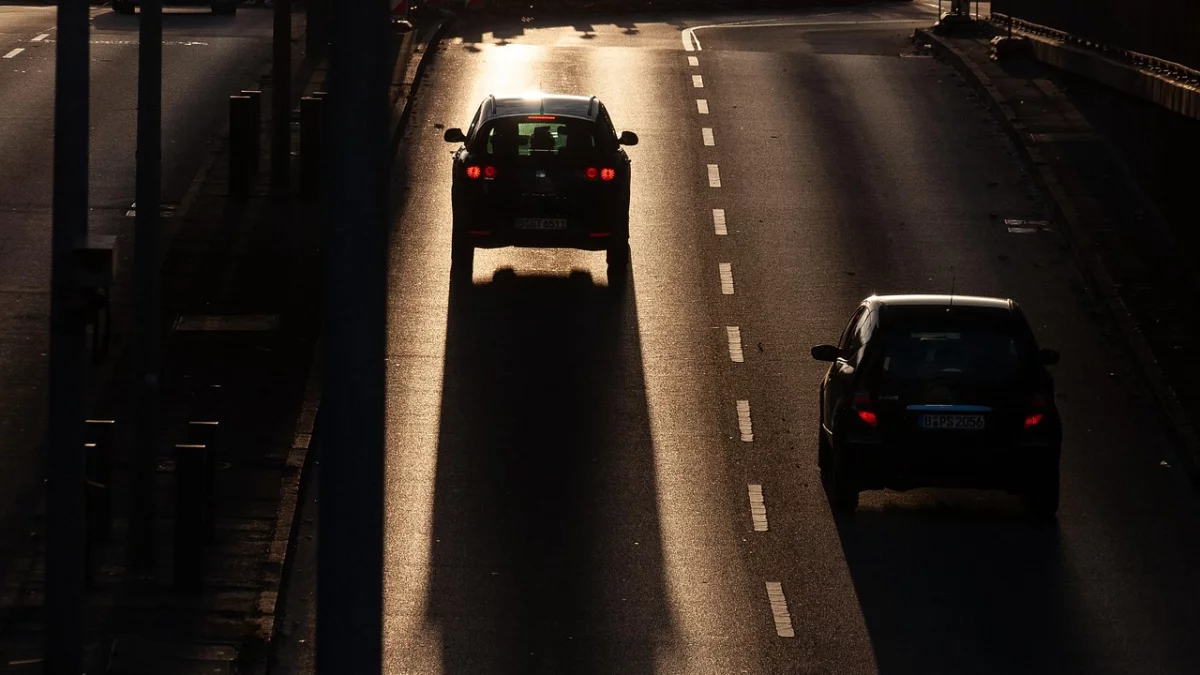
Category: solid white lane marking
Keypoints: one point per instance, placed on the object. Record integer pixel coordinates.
(714, 176)
(734, 334)
(719, 222)
(779, 610)
(745, 426)
(758, 508)
(726, 271)
(707, 134)
(697, 81)
(14, 52)
(693, 61)
(41, 37)
(702, 106)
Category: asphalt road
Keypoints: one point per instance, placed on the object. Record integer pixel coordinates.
(205, 59)
(568, 481)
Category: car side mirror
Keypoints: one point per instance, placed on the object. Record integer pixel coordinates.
(628, 138)
(826, 353)
(454, 136)
(1047, 357)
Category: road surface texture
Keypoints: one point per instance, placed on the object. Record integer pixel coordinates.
(205, 59)
(572, 468)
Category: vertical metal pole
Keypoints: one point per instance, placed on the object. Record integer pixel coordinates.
(146, 278)
(281, 96)
(350, 549)
(66, 550)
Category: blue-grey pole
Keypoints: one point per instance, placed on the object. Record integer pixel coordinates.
(354, 297)
(66, 548)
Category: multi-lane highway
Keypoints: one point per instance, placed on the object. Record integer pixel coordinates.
(572, 468)
(205, 59)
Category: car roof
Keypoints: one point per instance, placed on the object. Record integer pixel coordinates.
(937, 301)
(541, 103)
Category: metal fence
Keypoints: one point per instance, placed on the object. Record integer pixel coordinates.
(1167, 29)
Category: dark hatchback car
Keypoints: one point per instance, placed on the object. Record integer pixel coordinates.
(543, 171)
(939, 391)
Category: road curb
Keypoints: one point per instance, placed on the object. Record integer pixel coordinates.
(1083, 248)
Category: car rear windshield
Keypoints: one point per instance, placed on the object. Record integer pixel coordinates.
(540, 136)
(973, 355)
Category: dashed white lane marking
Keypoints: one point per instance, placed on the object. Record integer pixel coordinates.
(702, 106)
(707, 134)
(758, 508)
(719, 222)
(714, 176)
(693, 61)
(745, 425)
(734, 334)
(726, 271)
(41, 37)
(14, 52)
(779, 610)
(698, 81)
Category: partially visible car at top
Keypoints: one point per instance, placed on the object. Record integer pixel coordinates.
(939, 391)
(223, 7)
(543, 171)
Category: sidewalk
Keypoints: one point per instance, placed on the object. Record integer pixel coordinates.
(1131, 256)
(236, 260)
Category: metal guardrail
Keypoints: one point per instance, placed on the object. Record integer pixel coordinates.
(1161, 67)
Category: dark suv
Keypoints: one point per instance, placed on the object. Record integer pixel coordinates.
(939, 391)
(543, 171)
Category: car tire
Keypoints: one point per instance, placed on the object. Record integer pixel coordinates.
(1041, 499)
(842, 488)
(618, 263)
(462, 258)
(123, 7)
(224, 8)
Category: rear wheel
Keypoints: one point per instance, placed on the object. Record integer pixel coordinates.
(1041, 499)
(123, 7)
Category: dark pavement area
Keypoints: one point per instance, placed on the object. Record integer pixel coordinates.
(239, 324)
(567, 480)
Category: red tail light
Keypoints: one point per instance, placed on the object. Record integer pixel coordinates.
(591, 173)
(862, 406)
(489, 172)
(608, 174)
(474, 172)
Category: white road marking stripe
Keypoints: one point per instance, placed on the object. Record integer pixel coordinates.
(726, 271)
(745, 426)
(14, 52)
(707, 134)
(758, 508)
(41, 37)
(719, 222)
(714, 176)
(779, 610)
(702, 106)
(734, 334)
(697, 81)
(693, 61)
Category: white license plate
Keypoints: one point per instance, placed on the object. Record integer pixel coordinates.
(541, 223)
(949, 421)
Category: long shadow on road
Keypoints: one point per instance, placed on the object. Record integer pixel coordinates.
(546, 553)
(953, 591)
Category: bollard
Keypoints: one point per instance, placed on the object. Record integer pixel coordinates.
(99, 442)
(240, 145)
(207, 433)
(310, 146)
(255, 157)
(189, 515)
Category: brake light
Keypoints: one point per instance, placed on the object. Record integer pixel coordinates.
(489, 172)
(473, 172)
(591, 173)
(608, 174)
(862, 406)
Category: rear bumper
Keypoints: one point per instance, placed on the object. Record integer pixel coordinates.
(1014, 468)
